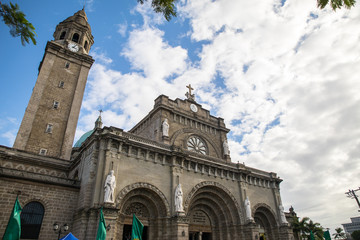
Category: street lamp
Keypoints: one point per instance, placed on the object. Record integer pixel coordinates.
(60, 229)
(108, 227)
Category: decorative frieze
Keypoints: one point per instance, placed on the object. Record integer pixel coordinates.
(191, 164)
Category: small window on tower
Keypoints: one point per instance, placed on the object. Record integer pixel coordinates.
(67, 65)
(49, 128)
(62, 36)
(86, 45)
(61, 84)
(75, 38)
(56, 105)
(43, 151)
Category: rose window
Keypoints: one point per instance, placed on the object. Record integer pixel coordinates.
(195, 144)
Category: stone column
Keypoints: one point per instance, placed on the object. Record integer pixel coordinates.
(180, 228)
(251, 231)
(111, 214)
(286, 232)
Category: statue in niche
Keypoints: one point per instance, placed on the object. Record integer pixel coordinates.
(109, 188)
(226, 148)
(179, 199)
(165, 128)
(248, 209)
(282, 214)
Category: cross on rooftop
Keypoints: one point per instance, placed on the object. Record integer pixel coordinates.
(189, 95)
(190, 88)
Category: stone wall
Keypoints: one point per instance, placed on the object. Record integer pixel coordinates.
(59, 203)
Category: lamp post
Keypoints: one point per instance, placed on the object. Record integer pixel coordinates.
(60, 229)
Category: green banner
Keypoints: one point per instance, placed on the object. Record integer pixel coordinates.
(13, 229)
(327, 235)
(101, 234)
(137, 229)
(312, 237)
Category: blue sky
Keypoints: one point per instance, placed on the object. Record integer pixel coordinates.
(281, 73)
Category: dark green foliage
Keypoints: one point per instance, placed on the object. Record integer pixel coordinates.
(356, 235)
(339, 234)
(166, 7)
(316, 229)
(299, 227)
(336, 4)
(303, 227)
(19, 26)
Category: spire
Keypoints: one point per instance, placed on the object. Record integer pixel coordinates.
(75, 29)
(98, 122)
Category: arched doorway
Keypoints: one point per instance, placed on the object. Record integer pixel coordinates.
(200, 226)
(213, 213)
(266, 222)
(148, 204)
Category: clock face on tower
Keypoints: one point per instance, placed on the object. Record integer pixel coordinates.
(73, 47)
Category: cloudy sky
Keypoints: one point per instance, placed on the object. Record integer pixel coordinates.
(282, 73)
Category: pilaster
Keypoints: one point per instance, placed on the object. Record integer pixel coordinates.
(180, 228)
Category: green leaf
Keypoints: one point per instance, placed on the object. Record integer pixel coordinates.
(166, 7)
(18, 24)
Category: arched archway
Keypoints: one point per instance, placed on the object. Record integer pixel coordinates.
(149, 204)
(265, 218)
(213, 212)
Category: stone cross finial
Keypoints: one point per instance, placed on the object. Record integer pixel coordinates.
(100, 111)
(190, 88)
(189, 95)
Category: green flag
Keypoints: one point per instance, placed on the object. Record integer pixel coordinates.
(312, 237)
(13, 229)
(137, 229)
(101, 234)
(327, 235)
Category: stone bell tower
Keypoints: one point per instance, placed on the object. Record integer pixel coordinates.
(50, 119)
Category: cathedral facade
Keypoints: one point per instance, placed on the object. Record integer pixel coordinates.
(173, 170)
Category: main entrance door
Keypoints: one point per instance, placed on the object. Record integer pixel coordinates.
(199, 236)
(200, 226)
(127, 232)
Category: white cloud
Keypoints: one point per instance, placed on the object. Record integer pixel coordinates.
(301, 70)
(89, 5)
(100, 56)
(10, 136)
(119, 93)
(122, 28)
(147, 51)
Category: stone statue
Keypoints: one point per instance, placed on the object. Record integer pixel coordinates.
(110, 185)
(165, 128)
(282, 214)
(226, 148)
(179, 199)
(248, 209)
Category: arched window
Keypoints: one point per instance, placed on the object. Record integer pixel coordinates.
(31, 220)
(75, 38)
(62, 36)
(86, 45)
